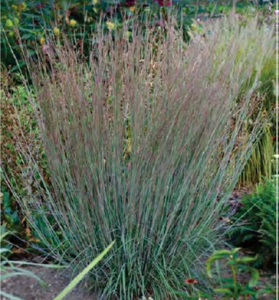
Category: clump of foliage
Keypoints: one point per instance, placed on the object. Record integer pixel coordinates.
(9, 214)
(233, 278)
(144, 144)
(261, 164)
(20, 129)
(234, 286)
(258, 228)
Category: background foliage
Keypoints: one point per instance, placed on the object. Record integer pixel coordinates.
(258, 230)
(30, 22)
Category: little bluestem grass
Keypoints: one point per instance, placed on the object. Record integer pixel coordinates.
(144, 145)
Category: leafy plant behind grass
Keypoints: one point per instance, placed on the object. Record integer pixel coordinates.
(144, 145)
(260, 163)
(232, 286)
(258, 228)
(34, 20)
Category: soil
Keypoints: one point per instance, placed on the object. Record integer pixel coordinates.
(29, 289)
(56, 280)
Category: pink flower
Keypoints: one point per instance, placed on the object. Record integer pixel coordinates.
(160, 23)
(191, 281)
(130, 2)
(164, 2)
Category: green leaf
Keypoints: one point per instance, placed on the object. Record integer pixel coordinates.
(230, 262)
(208, 267)
(235, 250)
(254, 277)
(224, 291)
(222, 252)
(227, 280)
(247, 291)
(79, 277)
(246, 259)
(215, 256)
(18, 66)
(31, 52)
(5, 250)
(4, 235)
(20, 272)
(49, 266)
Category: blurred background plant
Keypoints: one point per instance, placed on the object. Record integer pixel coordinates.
(261, 163)
(257, 228)
(30, 22)
(19, 128)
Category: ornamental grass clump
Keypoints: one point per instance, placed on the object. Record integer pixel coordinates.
(144, 145)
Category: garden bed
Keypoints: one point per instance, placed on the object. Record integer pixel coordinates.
(30, 289)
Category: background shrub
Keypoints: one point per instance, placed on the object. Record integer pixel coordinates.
(261, 163)
(19, 127)
(30, 22)
(258, 231)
